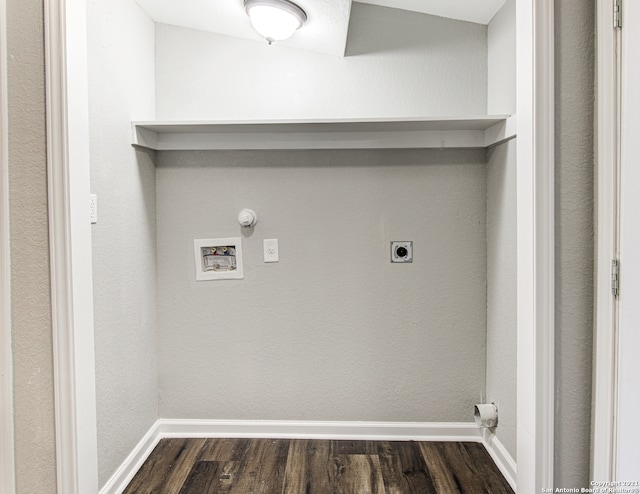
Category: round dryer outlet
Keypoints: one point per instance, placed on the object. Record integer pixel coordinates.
(402, 251)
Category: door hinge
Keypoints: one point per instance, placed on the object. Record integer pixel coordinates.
(615, 277)
(617, 14)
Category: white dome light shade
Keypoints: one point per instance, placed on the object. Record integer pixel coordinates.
(275, 20)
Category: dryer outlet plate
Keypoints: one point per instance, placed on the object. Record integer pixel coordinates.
(401, 251)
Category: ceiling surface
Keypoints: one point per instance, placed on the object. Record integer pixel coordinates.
(479, 11)
(328, 20)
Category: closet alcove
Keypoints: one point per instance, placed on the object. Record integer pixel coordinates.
(410, 136)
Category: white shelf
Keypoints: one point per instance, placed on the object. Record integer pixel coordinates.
(464, 132)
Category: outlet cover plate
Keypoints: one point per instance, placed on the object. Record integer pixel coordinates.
(270, 248)
(401, 251)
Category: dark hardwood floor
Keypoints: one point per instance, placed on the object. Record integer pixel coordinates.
(300, 466)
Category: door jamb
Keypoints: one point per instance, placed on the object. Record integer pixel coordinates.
(535, 245)
(605, 332)
(70, 246)
(7, 469)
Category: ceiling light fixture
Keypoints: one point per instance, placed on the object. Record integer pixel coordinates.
(275, 20)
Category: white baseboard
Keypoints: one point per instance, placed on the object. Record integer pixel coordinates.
(374, 431)
(501, 457)
(381, 431)
(123, 475)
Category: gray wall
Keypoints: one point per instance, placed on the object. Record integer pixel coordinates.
(574, 238)
(397, 64)
(501, 289)
(121, 89)
(333, 331)
(501, 61)
(35, 451)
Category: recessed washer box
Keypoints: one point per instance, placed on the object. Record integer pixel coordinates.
(218, 258)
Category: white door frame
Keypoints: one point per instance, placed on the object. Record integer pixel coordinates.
(607, 159)
(609, 333)
(74, 371)
(627, 455)
(70, 246)
(7, 470)
(535, 245)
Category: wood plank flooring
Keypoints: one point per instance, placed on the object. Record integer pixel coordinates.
(301, 466)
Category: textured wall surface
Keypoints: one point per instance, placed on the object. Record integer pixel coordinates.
(398, 63)
(333, 331)
(574, 238)
(35, 451)
(501, 61)
(501, 289)
(121, 82)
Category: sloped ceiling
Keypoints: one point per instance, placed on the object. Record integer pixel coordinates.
(328, 20)
(479, 11)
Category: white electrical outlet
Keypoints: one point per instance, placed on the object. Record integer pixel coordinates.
(271, 253)
(93, 208)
